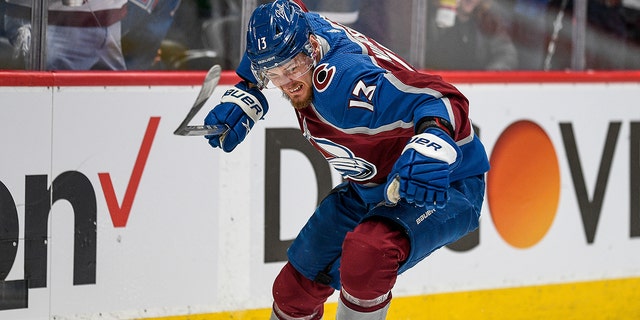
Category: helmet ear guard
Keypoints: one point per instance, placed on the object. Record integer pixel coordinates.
(277, 32)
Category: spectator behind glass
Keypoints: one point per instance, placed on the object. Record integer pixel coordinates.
(143, 29)
(476, 40)
(85, 37)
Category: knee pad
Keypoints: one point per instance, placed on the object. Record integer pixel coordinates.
(296, 297)
(371, 257)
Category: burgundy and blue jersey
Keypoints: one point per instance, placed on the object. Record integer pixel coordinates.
(367, 102)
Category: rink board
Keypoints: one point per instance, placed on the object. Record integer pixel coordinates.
(182, 231)
(607, 299)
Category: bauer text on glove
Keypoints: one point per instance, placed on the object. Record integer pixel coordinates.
(240, 108)
(421, 173)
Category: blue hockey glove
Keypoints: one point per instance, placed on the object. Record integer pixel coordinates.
(421, 174)
(240, 108)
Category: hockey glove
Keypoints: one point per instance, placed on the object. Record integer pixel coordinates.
(240, 108)
(421, 174)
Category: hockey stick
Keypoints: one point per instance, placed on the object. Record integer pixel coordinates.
(209, 84)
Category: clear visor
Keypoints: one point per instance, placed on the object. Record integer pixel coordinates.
(289, 70)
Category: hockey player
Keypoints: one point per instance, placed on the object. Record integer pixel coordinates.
(402, 139)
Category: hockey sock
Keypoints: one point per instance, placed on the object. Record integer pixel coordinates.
(296, 297)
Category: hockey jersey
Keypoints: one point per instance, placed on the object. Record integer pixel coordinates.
(366, 103)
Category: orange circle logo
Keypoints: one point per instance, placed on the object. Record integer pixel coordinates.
(523, 185)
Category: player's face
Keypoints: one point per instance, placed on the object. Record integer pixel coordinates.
(299, 91)
(294, 79)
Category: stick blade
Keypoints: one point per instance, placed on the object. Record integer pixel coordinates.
(202, 130)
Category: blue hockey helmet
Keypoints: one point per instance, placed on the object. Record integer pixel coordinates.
(277, 32)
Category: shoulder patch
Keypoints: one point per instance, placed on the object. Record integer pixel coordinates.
(322, 76)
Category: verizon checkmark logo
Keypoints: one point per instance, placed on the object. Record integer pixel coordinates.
(119, 211)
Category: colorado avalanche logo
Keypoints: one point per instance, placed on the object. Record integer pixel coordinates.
(322, 76)
(342, 159)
